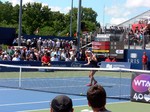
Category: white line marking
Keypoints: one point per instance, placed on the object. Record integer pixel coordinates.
(8, 89)
(28, 103)
(33, 110)
(73, 106)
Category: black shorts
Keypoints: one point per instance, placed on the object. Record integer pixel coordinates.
(94, 64)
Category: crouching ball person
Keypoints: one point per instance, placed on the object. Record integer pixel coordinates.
(61, 103)
(96, 96)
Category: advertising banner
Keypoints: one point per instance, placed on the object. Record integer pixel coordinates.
(38, 63)
(140, 87)
(115, 65)
(100, 47)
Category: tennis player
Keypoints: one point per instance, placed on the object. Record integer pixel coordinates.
(92, 62)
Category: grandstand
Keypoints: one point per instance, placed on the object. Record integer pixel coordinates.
(135, 19)
(139, 22)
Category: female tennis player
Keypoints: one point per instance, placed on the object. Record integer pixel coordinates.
(92, 62)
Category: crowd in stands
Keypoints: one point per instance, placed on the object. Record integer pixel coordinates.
(136, 34)
(62, 50)
(34, 49)
(133, 35)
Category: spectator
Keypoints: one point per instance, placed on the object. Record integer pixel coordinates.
(96, 96)
(57, 43)
(45, 43)
(144, 61)
(37, 54)
(131, 37)
(147, 27)
(39, 43)
(5, 58)
(61, 103)
(54, 58)
(16, 57)
(45, 60)
(63, 55)
(108, 59)
(67, 57)
(78, 56)
(82, 54)
(23, 54)
(114, 59)
(11, 51)
(32, 54)
(141, 35)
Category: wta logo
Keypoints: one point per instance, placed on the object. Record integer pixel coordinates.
(141, 83)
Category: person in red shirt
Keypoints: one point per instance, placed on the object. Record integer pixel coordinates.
(45, 60)
(108, 59)
(144, 61)
(114, 59)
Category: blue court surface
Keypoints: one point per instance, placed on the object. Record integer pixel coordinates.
(15, 100)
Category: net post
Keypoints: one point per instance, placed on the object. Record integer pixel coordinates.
(20, 77)
(120, 83)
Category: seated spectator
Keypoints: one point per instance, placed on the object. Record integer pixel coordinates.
(63, 55)
(5, 58)
(96, 96)
(67, 57)
(16, 57)
(54, 58)
(11, 51)
(114, 59)
(45, 60)
(61, 103)
(108, 59)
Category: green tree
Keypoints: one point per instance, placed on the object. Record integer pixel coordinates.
(37, 17)
(6, 10)
(88, 17)
(59, 23)
(47, 31)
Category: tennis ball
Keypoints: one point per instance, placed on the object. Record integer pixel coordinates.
(81, 94)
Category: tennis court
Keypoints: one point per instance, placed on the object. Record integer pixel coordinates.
(14, 100)
(67, 82)
(16, 97)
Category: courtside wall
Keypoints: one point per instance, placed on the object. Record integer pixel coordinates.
(7, 35)
(135, 58)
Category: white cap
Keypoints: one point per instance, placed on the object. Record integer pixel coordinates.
(148, 22)
(88, 51)
(5, 56)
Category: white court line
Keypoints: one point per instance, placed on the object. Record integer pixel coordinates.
(8, 89)
(28, 103)
(73, 106)
(118, 102)
(33, 110)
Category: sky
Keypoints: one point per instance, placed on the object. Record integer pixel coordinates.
(110, 12)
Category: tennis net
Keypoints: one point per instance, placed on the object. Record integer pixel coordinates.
(65, 80)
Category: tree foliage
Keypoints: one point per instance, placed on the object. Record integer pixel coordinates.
(40, 20)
